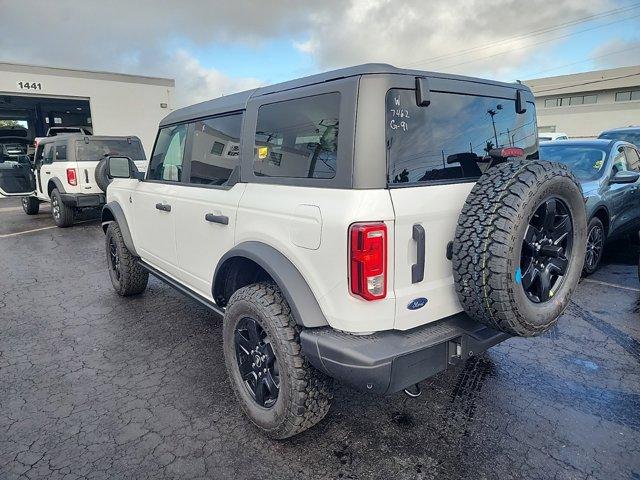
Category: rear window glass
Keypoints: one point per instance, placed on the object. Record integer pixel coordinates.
(447, 140)
(95, 150)
(586, 162)
(631, 136)
(298, 138)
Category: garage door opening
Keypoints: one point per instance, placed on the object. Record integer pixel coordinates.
(37, 114)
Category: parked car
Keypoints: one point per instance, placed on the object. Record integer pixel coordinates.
(375, 252)
(53, 131)
(627, 134)
(550, 136)
(609, 172)
(69, 171)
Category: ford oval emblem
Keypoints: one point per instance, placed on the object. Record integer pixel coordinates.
(417, 303)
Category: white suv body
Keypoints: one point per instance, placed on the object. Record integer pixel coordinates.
(66, 164)
(344, 191)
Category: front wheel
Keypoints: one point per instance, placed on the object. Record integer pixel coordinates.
(30, 205)
(277, 388)
(127, 276)
(595, 246)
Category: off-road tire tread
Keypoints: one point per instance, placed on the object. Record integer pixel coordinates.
(485, 236)
(67, 214)
(33, 206)
(311, 389)
(133, 278)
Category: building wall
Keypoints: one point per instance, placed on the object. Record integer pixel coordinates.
(588, 120)
(120, 104)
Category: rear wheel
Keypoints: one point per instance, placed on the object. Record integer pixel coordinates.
(62, 214)
(277, 388)
(30, 205)
(595, 246)
(127, 276)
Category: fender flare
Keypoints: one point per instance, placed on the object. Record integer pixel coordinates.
(57, 183)
(303, 303)
(112, 212)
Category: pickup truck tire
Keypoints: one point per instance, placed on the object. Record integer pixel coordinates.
(127, 276)
(62, 214)
(30, 205)
(100, 174)
(520, 245)
(280, 392)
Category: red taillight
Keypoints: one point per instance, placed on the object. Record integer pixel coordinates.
(508, 152)
(368, 257)
(72, 179)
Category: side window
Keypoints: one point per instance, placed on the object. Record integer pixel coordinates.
(39, 154)
(619, 162)
(48, 153)
(298, 138)
(633, 158)
(215, 152)
(61, 153)
(168, 154)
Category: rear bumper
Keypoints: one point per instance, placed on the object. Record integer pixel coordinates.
(390, 361)
(81, 200)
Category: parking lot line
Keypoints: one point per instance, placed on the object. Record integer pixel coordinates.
(7, 235)
(599, 282)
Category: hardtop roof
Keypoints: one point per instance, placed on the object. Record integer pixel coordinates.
(78, 136)
(238, 101)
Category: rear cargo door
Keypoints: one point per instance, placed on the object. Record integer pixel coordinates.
(91, 150)
(435, 154)
(16, 175)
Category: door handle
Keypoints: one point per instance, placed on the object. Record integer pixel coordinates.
(221, 219)
(417, 269)
(163, 206)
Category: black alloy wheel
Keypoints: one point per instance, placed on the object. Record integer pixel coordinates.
(114, 258)
(595, 244)
(546, 250)
(257, 362)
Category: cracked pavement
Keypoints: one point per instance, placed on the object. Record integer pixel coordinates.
(95, 386)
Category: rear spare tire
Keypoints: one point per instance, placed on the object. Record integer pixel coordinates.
(519, 246)
(100, 174)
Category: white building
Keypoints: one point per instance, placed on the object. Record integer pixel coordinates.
(585, 104)
(106, 103)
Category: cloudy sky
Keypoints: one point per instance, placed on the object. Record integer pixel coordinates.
(214, 47)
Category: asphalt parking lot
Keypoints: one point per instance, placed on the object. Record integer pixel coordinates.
(95, 386)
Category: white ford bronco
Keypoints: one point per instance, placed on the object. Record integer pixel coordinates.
(371, 225)
(68, 170)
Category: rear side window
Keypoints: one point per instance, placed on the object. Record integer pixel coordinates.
(215, 151)
(298, 138)
(448, 140)
(633, 158)
(168, 154)
(61, 153)
(94, 150)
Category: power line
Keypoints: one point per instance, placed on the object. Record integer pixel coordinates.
(587, 83)
(635, 47)
(531, 33)
(539, 43)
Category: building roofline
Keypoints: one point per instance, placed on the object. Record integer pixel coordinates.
(89, 74)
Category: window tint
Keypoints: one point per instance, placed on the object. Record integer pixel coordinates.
(585, 161)
(61, 153)
(166, 161)
(216, 149)
(48, 153)
(446, 140)
(93, 150)
(298, 138)
(633, 159)
(619, 162)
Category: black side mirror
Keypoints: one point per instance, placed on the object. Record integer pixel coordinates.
(119, 167)
(625, 176)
